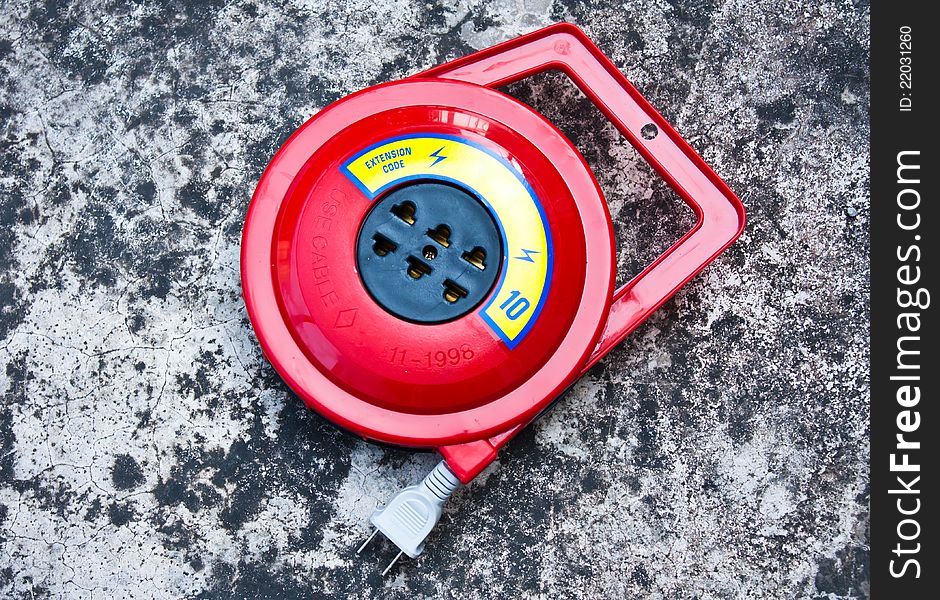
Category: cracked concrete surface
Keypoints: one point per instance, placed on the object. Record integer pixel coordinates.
(149, 451)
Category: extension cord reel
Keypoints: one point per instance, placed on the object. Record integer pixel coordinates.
(430, 263)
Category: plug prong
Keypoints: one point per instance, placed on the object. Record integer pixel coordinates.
(366, 543)
(392, 564)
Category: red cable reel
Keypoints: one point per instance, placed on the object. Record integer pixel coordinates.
(430, 262)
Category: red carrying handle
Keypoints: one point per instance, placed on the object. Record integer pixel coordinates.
(720, 214)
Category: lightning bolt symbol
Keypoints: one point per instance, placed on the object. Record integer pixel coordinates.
(438, 157)
(528, 255)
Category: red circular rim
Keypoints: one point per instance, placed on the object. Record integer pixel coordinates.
(317, 389)
(357, 356)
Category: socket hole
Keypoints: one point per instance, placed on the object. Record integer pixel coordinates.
(417, 268)
(453, 292)
(383, 245)
(440, 234)
(476, 257)
(429, 252)
(405, 211)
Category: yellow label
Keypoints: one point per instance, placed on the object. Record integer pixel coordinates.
(527, 251)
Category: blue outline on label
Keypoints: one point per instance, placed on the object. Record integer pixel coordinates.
(538, 205)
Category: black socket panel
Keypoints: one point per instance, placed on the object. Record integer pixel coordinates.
(429, 252)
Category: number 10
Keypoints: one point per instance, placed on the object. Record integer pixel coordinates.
(515, 305)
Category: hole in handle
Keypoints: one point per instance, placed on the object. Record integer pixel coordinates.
(649, 131)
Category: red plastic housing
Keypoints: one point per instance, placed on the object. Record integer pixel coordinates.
(384, 378)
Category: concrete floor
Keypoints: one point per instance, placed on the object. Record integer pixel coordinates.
(149, 451)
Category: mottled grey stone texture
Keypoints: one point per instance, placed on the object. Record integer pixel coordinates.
(149, 451)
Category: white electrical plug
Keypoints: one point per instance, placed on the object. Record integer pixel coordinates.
(413, 512)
